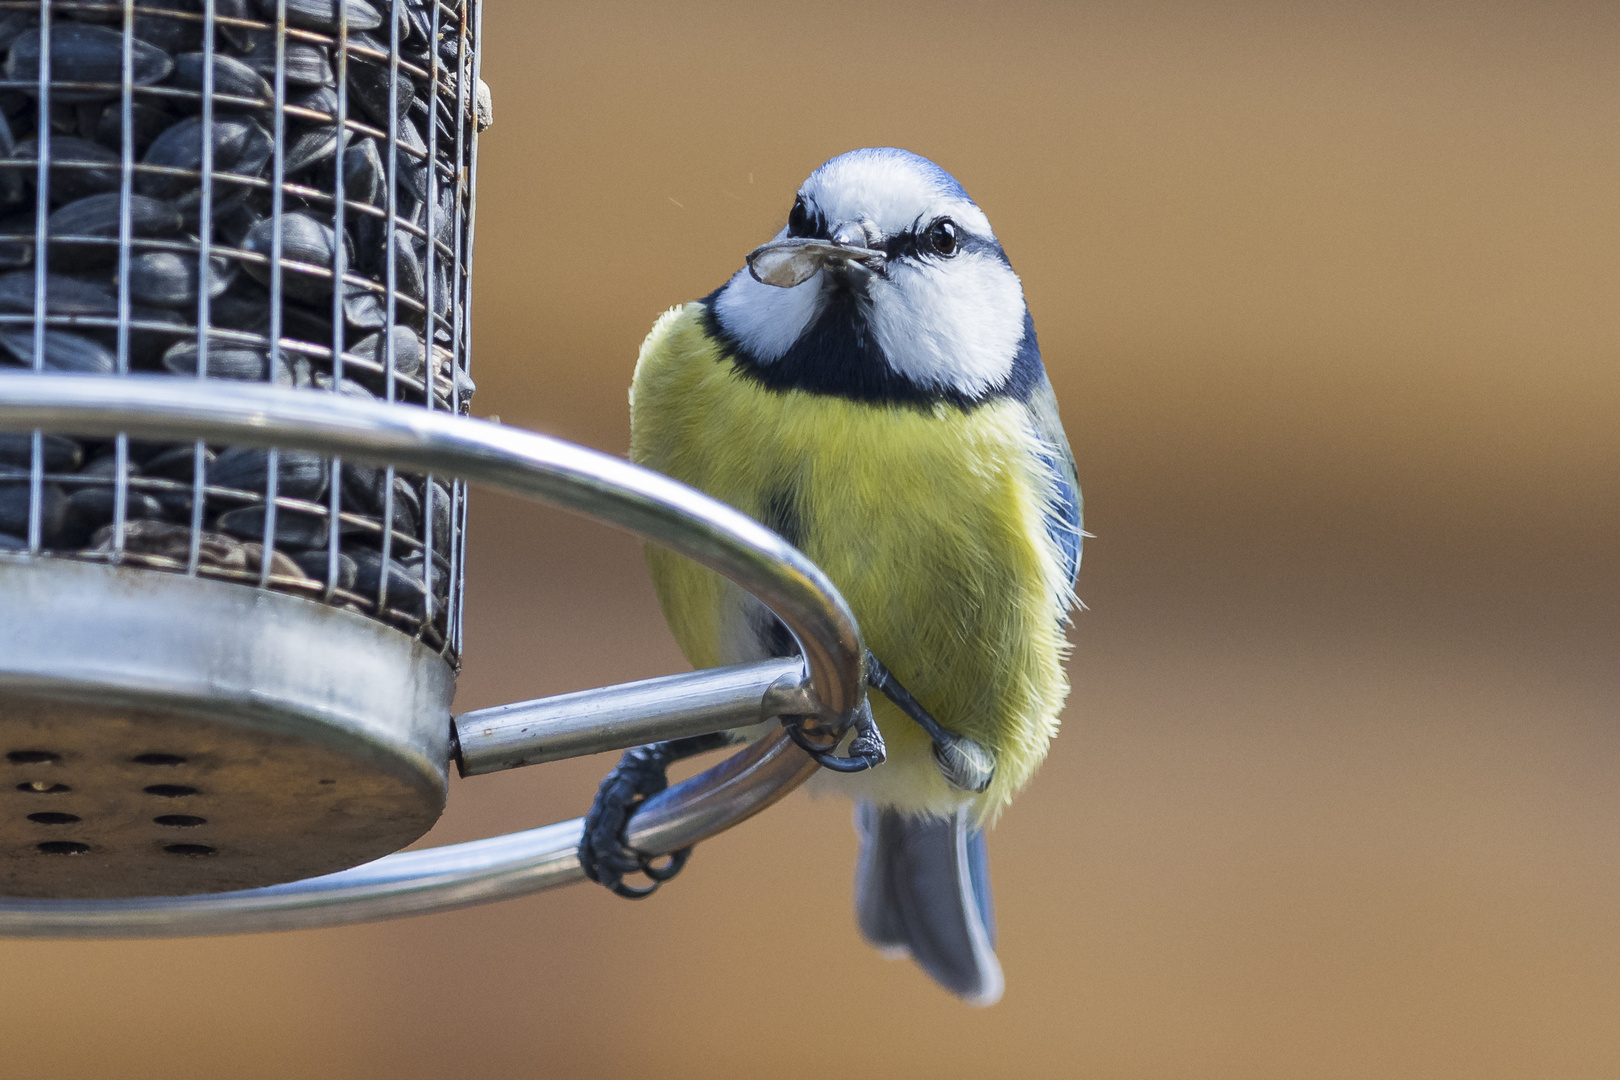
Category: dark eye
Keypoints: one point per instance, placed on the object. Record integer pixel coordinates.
(799, 219)
(942, 237)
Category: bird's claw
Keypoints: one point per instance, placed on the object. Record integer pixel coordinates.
(604, 853)
(866, 749)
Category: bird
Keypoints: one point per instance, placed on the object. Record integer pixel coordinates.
(869, 385)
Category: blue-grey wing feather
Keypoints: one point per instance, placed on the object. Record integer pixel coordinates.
(1065, 509)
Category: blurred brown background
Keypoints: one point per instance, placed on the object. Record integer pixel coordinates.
(1328, 293)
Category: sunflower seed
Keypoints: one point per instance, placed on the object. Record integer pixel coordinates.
(293, 528)
(315, 564)
(76, 228)
(64, 351)
(240, 147)
(306, 247)
(407, 350)
(231, 77)
(85, 54)
(177, 463)
(167, 279)
(64, 295)
(310, 148)
(15, 497)
(88, 509)
(147, 122)
(405, 591)
(299, 473)
(323, 14)
(61, 454)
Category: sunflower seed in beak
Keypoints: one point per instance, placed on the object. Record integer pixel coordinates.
(795, 260)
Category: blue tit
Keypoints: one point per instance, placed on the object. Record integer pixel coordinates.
(869, 386)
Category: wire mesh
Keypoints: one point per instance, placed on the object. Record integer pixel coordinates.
(262, 190)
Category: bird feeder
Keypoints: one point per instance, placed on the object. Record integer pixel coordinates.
(235, 241)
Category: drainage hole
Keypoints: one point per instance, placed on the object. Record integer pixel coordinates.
(63, 847)
(195, 851)
(43, 787)
(159, 759)
(49, 817)
(170, 791)
(32, 757)
(180, 821)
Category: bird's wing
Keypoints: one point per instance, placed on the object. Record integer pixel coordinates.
(1064, 519)
(922, 889)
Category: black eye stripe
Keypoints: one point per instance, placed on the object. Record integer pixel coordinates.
(805, 220)
(910, 244)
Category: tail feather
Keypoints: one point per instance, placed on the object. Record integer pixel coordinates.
(922, 888)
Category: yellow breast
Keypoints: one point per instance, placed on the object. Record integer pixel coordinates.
(930, 520)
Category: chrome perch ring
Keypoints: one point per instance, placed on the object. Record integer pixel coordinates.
(534, 467)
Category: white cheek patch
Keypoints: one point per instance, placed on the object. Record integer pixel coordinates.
(951, 324)
(764, 319)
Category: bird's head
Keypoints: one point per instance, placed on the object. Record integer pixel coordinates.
(886, 282)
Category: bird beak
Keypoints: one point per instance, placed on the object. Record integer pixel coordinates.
(795, 259)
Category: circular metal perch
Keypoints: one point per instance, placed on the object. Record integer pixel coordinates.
(829, 683)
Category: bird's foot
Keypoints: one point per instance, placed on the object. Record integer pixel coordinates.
(967, 765)
(604, 852)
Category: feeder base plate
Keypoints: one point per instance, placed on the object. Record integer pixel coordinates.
(117, 802)
(163, 735)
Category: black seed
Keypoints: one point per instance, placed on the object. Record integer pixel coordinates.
(176, 464)
(64, 351)
(369, 84)
(147, 122)
(241, 148)
(231, 77)
(305, 64)
(61, 455)
(363, 173)
(314, 563)
(14, 500)
(96, 218)
(64, 295)
(304, 241)
(407, 350)
(168, 279)
(293, 529)
(310, 148)
(323, 14)
(88, 509)
(85, 54)
(299, 474)
(68, 180)
(405, 592)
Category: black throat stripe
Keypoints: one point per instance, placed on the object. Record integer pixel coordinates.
(837, 355)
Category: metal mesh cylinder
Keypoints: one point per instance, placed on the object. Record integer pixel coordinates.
(277, 191)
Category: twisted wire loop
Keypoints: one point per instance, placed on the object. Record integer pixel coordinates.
(262, 191)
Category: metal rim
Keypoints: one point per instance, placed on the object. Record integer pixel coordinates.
(521, 463)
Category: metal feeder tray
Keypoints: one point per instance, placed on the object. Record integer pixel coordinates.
(163, 738)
